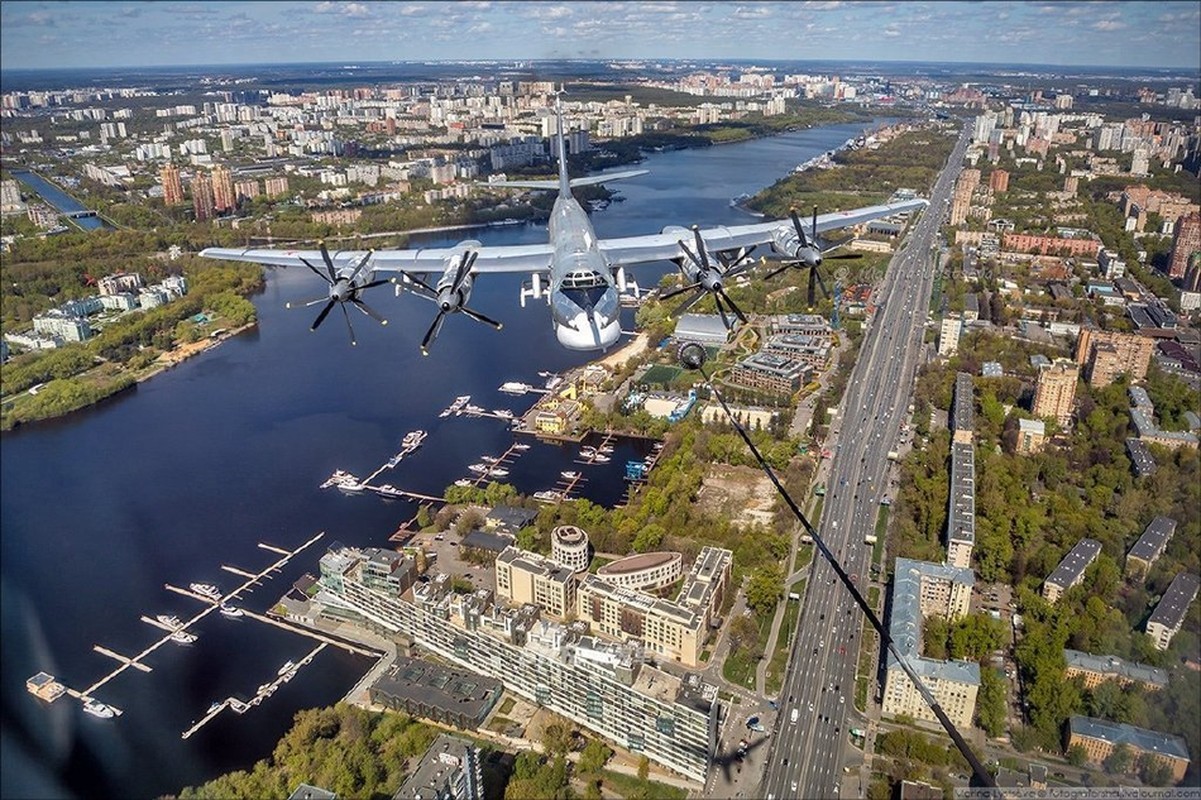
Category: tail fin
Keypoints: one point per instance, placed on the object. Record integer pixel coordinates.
(564, 182)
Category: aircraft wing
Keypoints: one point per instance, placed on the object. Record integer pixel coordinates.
(665, 246)
(501, 258)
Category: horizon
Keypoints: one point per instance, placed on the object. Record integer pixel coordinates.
(1133, 34)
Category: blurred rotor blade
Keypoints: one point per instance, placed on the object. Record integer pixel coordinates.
(689, 253)
(369, 311)
(316, 271)
(678, 290)
(432, 333)
(737, 311)
(362, 264)
(349, 327)
(307, 303)
(329, 262)
(800, 231)
(689, 303)
(722, 312)
(778, 270)
(843, 256)
(321, 317)
(432, 294)
(373, 283)
(478, 317)
(820, 282)
(700, 247)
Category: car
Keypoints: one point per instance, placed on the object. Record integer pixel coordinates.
(841, 700)
(811, 706)
(794, 786)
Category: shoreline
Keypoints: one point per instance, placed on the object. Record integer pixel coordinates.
(179, 355)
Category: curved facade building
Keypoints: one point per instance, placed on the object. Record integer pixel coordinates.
(645, 571)
(569, 547)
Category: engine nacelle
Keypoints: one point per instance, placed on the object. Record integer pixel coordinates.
(785, 242)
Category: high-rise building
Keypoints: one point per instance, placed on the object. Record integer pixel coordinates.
(449, 770)
(275, 187)
(1107, 354)
(948, 336)
(202, 198)
(245, 190)
(1031, 435)
(1056, 391)
(524, 577)
(1185, 242)
(172, 186)
(998, 181)
(224, 198)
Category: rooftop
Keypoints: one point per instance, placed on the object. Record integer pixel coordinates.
(1175, 602)
(1112, 665)
(905, 623)
(1073, 565)
(961, 524)
(1138, 738)
(1151, 544)
(638, 562)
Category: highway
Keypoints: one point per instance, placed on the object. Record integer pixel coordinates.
(807, 755)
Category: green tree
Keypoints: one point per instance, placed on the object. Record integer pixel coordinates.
(990, 704)
(743, 632)
(765, 588)
(644, 768)
(1119, 761)
(1077, 755)
(594, 756)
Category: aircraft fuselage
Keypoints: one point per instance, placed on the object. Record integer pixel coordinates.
(584, 300)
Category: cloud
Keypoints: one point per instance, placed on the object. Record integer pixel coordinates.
(34, 19)
(412, 11)
(1109, 25)
(752, 12)
(891, 32)
(554, 12)
(343, 9)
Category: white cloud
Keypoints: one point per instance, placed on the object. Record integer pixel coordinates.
(554, 12)
(343, 9)
(1109, 25)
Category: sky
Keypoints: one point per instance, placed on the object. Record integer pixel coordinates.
(1069, 32)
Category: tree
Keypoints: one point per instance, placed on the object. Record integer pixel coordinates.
(990, 704)
(1154, 771)
(1077, 755)
(744, 632)
(556, 738)
(765, 588)
(594, 756)
(1119, 761)
(644, 768)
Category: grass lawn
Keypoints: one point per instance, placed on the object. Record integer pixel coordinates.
(881, 529)
(507, 705)
(779, 656)
(804, 554)
(631, 786)
(739, 666)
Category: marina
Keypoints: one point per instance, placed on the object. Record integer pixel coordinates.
(176, 630)
(351, 484)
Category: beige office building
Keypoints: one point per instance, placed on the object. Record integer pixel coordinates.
(523, 577)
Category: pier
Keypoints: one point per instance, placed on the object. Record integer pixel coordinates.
(264, 691)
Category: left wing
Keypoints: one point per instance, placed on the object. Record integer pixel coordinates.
(665, 246)
(501, 258)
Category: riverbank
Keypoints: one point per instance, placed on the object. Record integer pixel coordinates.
(182, 353)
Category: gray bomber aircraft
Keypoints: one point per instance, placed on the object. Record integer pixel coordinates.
(579, 275)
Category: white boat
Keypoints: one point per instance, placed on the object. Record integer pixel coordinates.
(473, 409)
(548, 496)
(497, 472)
(214, 707)
(569, 474)
(599, 459)
(230, 611)
(206, 589)
(413, 439)
(287, 667)
(587, 452)
(478, 468)
(265, 688)
(98, 709)
(463, 482)
(607, 449)
(521, 446)
(169, 620)
(503, 413)
(489, 459)
(183, 637)
(515, 387)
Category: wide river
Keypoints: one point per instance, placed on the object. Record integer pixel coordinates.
(198, 465)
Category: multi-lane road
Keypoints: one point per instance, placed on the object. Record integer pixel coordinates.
(810, 739)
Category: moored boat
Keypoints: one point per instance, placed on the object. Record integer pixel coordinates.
(98, 709)
(230, 611)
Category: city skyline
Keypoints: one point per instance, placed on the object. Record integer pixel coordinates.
(40, 35)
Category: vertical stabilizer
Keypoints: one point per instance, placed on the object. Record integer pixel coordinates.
(564, 182)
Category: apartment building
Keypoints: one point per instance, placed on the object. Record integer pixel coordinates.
(1149, 546)
(1096, 670)
(1168, 616)
(1055, 392)
(1100, 738)
(1032, 434)
(771, 372)
(948, 336)
(1071, 569)
(606, 688)
(921, 589)
(1105, 355)
(802, 347)
(963, 409)
(449, 770)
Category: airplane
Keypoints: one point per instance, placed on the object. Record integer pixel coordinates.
(579, 275)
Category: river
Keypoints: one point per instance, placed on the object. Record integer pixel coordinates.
(197, 466)
(62, 202)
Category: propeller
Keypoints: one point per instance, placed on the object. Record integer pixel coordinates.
(809, 255)
(708, 279)
(451, 297)
(342, 290)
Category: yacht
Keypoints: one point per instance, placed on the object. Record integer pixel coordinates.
(463, 482)
(587, 452)
(98, 709)
(169, 620)
(607, 449)
(214, 707)
(548, 496)
(413, 439)
(503, 413)
(521, 446)
(287, 667)
(478, 468)
(599, 459)
(230, 611)
(489, 459)
(569, 474)
(514, 387)
(497, 472)
(206, 589)
(183, 637)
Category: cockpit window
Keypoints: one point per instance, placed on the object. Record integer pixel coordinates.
(583, 280)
